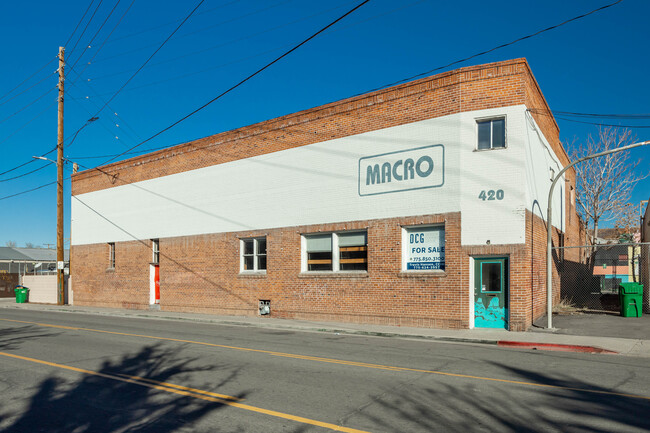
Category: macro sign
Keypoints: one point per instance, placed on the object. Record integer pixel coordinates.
(404, 170)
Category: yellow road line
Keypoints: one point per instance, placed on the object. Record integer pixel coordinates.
(175, 389)
(181, 387)
(343, 362)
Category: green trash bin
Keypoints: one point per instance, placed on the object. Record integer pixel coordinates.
(631, 297)
(21, 294)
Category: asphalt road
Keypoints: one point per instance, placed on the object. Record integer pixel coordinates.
(84, 373)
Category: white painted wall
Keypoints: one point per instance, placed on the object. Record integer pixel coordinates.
(42, 289)
(319, 183)
(540, 158)
(497, 221)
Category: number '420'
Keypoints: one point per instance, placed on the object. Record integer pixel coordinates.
(491, 195)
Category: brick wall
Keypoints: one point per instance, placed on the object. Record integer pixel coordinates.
(536, 238)
(201, 273)
(492, 85)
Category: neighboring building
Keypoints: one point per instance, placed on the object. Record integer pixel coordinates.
(16, 262)
(28, 260)
(416, 205)
(616, 264)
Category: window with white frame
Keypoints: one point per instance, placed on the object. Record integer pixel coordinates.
(253, 255)
(335, 252)
(111, 255)
(155, 249)
(491, 133)
(423, 248)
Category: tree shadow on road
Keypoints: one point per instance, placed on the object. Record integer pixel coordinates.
(492, 406)
(102, 403)
(11, 338)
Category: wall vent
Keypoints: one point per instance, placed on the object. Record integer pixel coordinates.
(264, 307)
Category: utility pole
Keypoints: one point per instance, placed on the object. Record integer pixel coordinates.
(59, 186)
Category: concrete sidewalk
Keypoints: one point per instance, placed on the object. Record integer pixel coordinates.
(536, 338)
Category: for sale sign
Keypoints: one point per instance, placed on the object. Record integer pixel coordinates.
(425, 248)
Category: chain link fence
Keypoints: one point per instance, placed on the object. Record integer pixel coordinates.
(590, 280)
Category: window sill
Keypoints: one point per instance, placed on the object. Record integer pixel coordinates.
(332, 274)
(491, 148)
(422, 274)
(252, 274)
(110, 270)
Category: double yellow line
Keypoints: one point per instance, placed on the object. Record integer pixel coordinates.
(344, 362)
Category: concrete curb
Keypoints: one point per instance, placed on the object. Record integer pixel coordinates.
(524, 340)
(555, 347)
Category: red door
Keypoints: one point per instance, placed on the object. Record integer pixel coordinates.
(156, 282)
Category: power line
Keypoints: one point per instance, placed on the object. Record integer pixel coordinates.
(234, 41)
(243, 81)
(29, 88)
(76, 100)
(495, 48)
(107, 38)
(172, 22)
(89, 44)
(125, 53)
(178, 77)
(76, 133)
(85, 28)
(74, 136)
(104, 106)
(27, 123)
(28, 105)
(641, 116)
(146, 245)
(26, 163)
(562, 116)
(214, 99)
(24, 174)
(26, 80)
(517, 40)
(150, 57)
(30, 190)
(152, 149)
(79, 23)
(241, 59)
(601, 124)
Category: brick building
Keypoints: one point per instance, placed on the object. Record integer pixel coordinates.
(416, 205)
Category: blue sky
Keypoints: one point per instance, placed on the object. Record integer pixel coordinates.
(598, 64)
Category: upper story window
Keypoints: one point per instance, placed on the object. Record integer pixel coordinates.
(253, 255)
(111, 255)
(155, 249)
(491, 133)
(345, 251)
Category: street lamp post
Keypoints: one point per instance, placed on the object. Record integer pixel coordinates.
(549, 226)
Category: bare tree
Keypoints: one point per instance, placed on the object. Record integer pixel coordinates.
(11, 244)
(29, 245)
(627, 224)
(604, 185)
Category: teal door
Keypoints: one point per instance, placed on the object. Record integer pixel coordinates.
(491, 292)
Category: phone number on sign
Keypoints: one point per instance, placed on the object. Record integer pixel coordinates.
(425, 259)
(426, 266)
